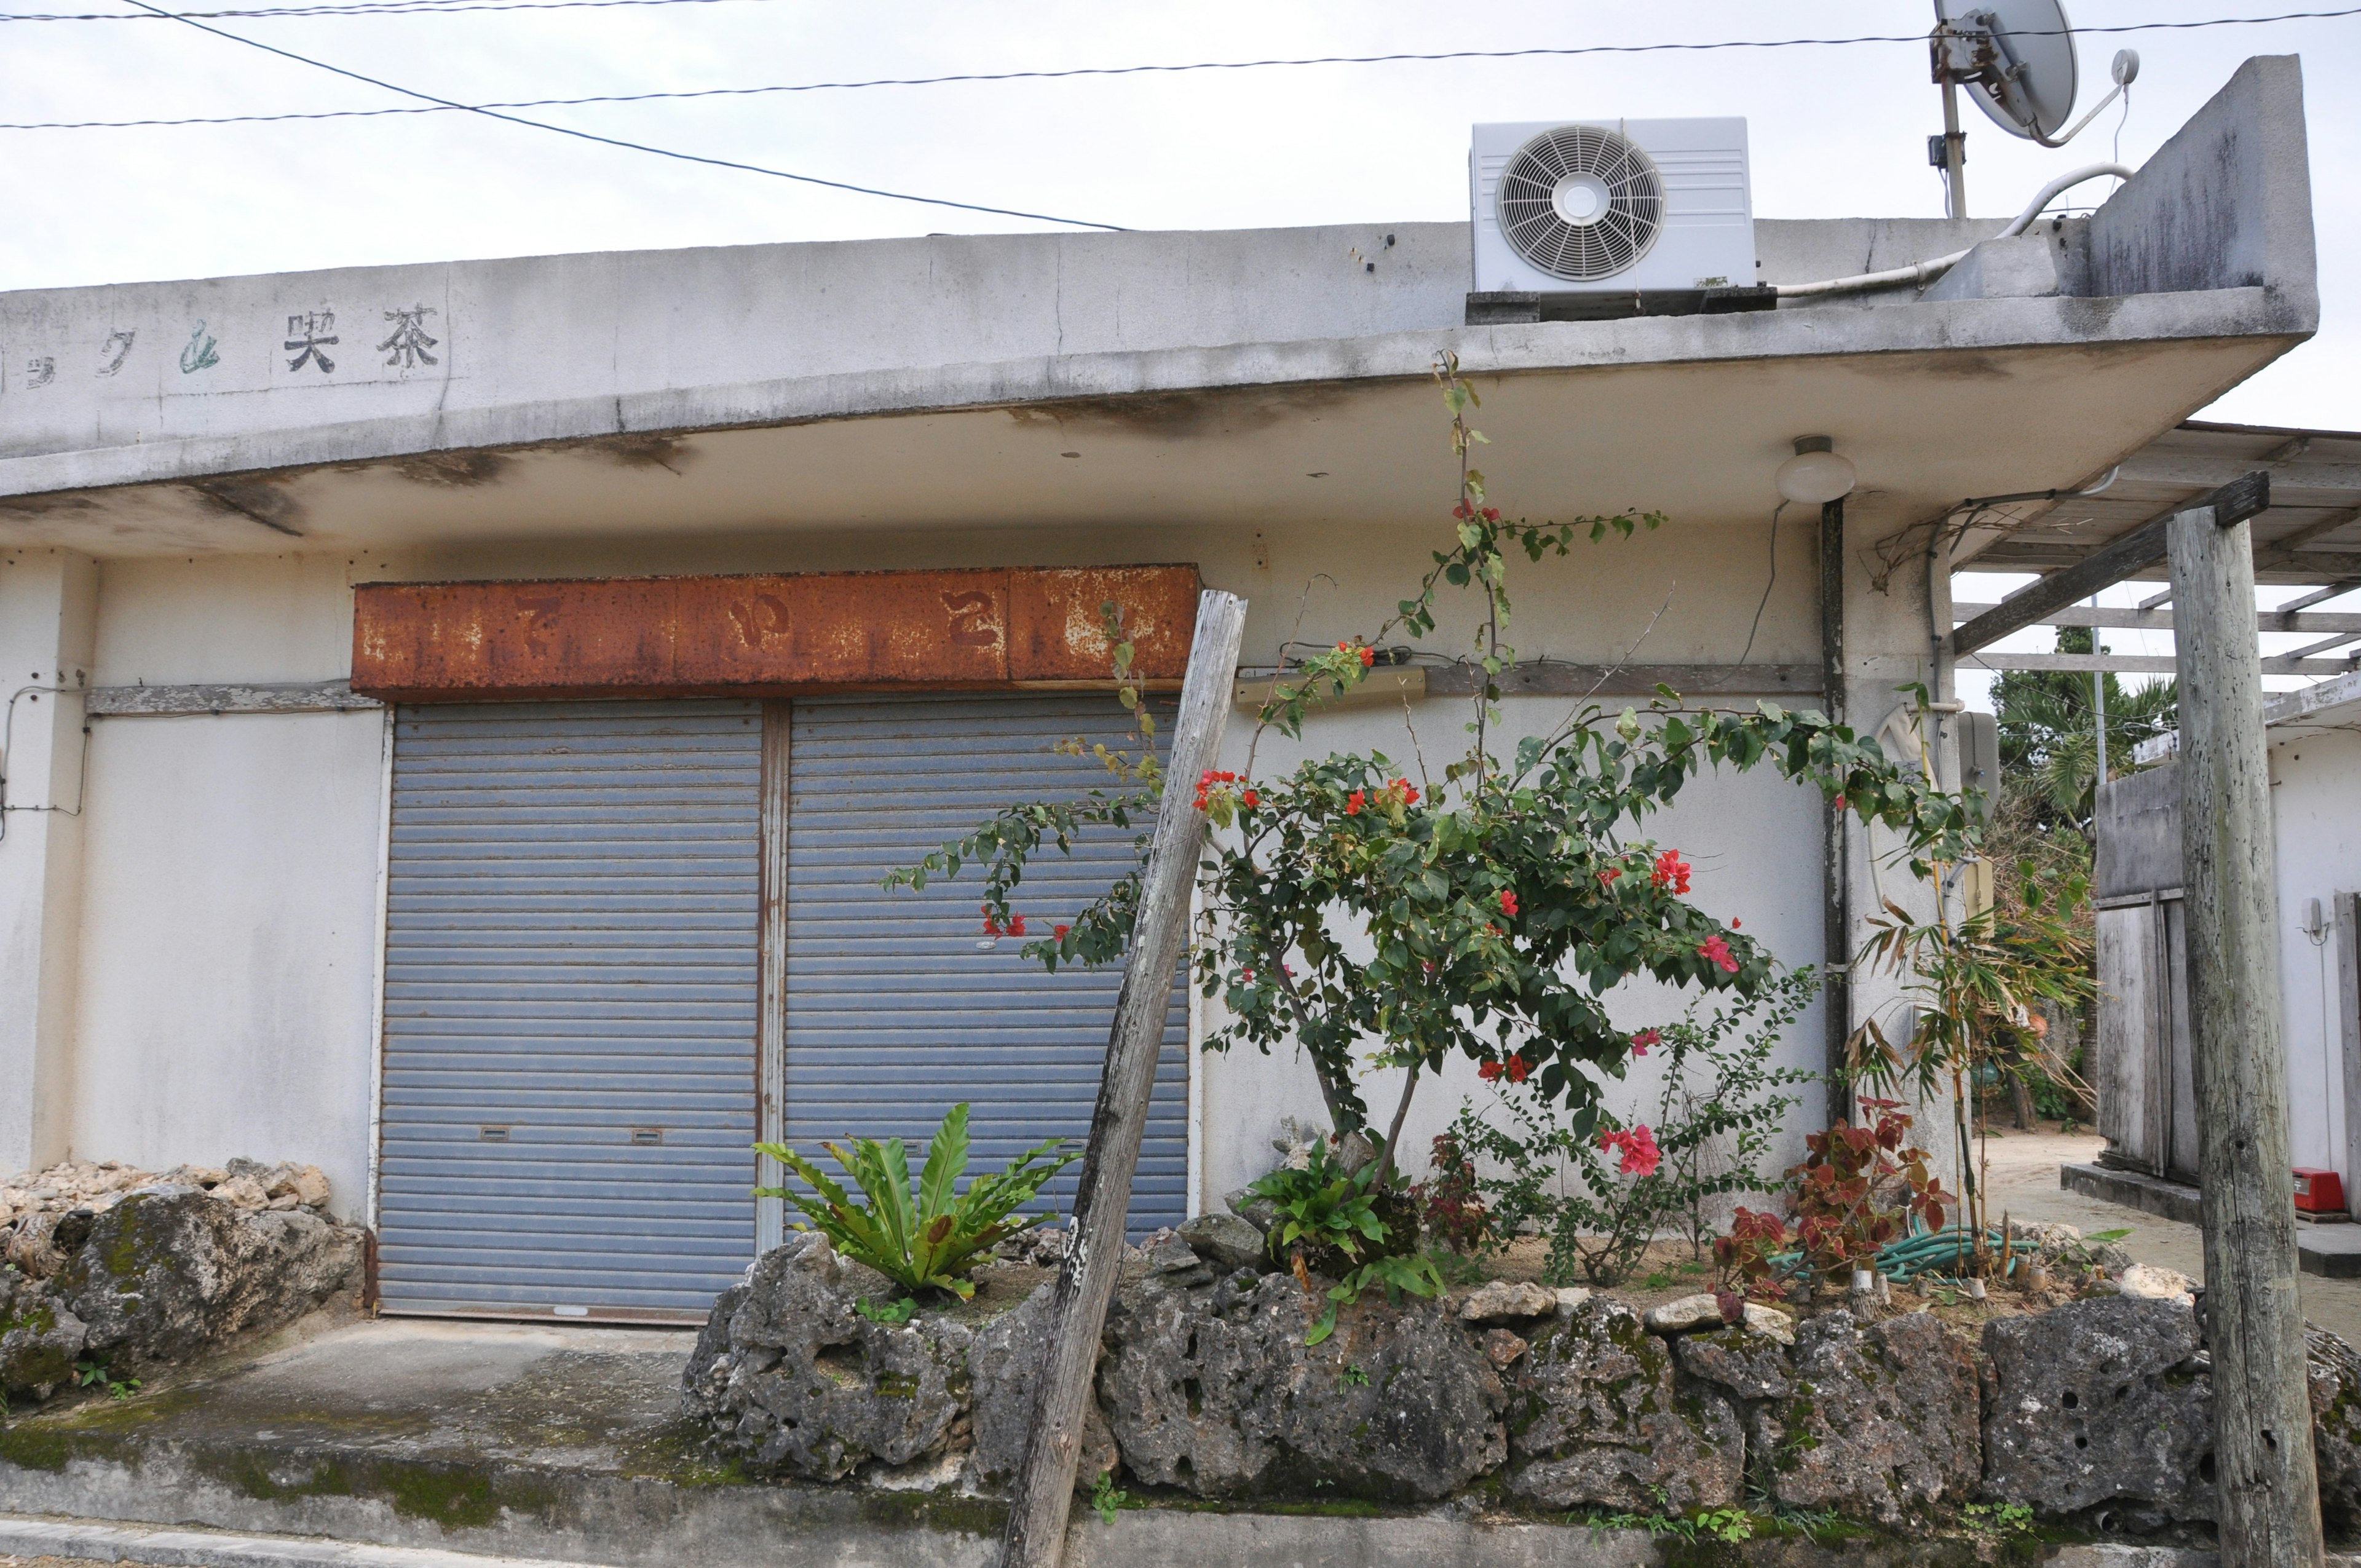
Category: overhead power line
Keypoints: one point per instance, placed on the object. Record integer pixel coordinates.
(351, 8)
(617, 141)
(439, 7)
(438, 105)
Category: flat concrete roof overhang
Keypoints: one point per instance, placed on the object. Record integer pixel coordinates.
(1250, 377)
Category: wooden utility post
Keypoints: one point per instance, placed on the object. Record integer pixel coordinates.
(2262, 1421)
(1045, 1481)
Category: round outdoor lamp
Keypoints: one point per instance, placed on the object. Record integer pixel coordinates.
(1815, 476)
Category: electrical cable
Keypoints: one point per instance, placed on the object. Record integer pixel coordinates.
(436, 106)
(1771, 582)
(400, 7)
(617, 141)
(1935, 267)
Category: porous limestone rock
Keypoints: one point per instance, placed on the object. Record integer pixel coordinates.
(1259, 1213)
(2148, 1282)
(1225, 1241)
(1880, 1424)
(1229, 1400)
(789, 1375)
(1703, 1310)
(1743, 1365)
(1502, 1301)
(2335, 1384)
(1596, 1417)
(40, 1339)
(172, 1271)
(1501, 1348)
(1003, 1363)
(2099, 1404)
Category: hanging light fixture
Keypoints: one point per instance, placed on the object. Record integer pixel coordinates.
(1815, 476)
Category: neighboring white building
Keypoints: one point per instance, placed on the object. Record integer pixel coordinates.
(525, 974)
(2147, 1099)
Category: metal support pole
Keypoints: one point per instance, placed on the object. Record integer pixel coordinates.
(2269, 1489)
(1043, 1496)
(1955, 151)
(2099, 707)
(1836, 930)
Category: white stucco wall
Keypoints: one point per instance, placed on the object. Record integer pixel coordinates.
(2316, 816)
(229, 921)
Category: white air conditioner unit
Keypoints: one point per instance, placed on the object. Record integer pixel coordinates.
(1612, 207)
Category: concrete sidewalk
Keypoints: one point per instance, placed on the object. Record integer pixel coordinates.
(2023, 1177)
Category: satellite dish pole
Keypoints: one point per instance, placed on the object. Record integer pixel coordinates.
(1952, 52)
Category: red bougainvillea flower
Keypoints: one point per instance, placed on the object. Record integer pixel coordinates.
(991, 921)
(1606, 878)
(1490, 1071)
(1017, 925)
(1407, 791)
(1644, 1039)
(1463, 512)
(1250, 800)
(1491, 514)
(1717, 951)
(1671, 871)
(1518, 1068)
(1354, 802)
(1208, 781)
(1246, 975)
(1060, 931)
(1369, 657)
(1641, 1155)
(1736, 924)
(1509, 902)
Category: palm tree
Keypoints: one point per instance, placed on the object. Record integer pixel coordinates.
(2048, 733)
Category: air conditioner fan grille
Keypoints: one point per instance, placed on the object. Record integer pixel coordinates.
(1608, 243)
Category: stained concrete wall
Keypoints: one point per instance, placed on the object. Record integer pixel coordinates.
(47, 603)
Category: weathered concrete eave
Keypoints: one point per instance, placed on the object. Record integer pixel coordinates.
(2275, 320)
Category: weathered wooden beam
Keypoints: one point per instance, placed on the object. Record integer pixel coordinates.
(1550, 678)
(317, 697)
(1038, 1509)
(2142, 663)
(2104, 567)
(2197, 471)
(2160, 618)
(2266, 1487)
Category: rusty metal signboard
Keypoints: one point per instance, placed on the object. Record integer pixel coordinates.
(974, 630)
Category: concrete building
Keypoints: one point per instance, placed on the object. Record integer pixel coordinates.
(2147, 1099)
(524, 950)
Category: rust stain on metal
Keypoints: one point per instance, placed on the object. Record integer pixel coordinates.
(773, 635)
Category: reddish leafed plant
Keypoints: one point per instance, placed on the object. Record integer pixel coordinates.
(1842, 1218)
(1450, 1204)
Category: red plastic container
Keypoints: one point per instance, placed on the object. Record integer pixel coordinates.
(2318, 1191)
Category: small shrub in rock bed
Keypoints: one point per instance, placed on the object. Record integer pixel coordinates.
(1598, 1198)
(933, 1244)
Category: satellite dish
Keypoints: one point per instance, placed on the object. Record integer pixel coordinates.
(2017, 59)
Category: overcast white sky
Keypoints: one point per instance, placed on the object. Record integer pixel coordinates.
(1835, 131)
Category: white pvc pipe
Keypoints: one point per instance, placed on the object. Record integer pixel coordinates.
(1925, 271)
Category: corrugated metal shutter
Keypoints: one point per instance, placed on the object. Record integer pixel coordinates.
(897, 1006)
(570, 1006)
